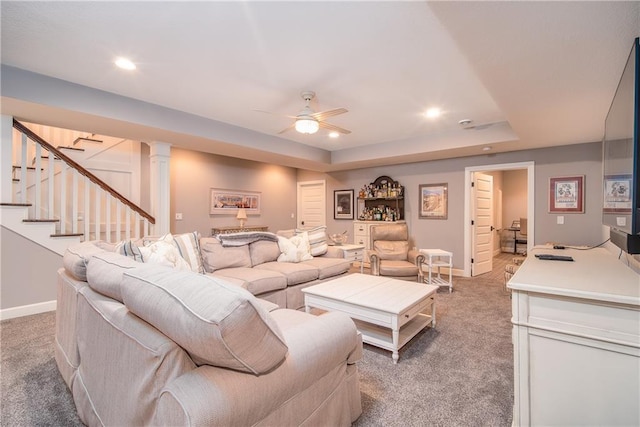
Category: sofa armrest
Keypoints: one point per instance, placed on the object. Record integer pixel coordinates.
(334, 252)
(374, 261)
(318, 348)
(415, 256)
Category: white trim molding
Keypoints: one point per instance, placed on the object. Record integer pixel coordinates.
(27, 310)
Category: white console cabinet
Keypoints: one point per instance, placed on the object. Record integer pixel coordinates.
(576, 339)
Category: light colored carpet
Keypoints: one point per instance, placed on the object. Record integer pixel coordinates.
(458, 374)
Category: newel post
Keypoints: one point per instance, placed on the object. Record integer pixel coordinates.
(160, 184)
(6, 158)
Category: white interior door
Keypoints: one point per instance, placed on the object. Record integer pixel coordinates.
(312, 204)
(482, 224)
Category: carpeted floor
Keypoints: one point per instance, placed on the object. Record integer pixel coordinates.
(458, 374)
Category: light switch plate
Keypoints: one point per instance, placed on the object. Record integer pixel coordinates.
(560, 219)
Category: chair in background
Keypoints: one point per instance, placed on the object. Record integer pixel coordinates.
(521, 237)
(390, 254)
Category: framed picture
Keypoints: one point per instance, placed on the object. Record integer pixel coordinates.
(343, 204)
(566, 194)
(433, 201)
(617, 193)
(228, 201)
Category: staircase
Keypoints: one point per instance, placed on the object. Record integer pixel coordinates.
(56, 202)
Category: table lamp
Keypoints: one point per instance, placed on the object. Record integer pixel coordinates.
(242, 216)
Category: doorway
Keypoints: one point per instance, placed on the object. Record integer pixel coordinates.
(311, 204)
(469, 206)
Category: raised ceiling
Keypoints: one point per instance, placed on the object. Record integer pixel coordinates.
(529, 74)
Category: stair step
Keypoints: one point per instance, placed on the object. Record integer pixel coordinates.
(16, 204)
(81, 139)
(16, 180)
(40, 220)
(63, 147)
(29, 168)
(67, 235)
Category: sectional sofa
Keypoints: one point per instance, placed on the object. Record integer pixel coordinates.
(141, 343)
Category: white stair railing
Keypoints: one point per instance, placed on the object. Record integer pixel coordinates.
(56, 187)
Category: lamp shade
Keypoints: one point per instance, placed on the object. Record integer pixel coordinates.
(308, 126)
(242, 214)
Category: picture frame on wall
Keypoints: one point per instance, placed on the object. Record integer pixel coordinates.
(433, 201)
(617, 193)
(227, 202)
(343, 204)
(566, 194)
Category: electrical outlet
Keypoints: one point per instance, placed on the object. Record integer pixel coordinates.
(178, 216)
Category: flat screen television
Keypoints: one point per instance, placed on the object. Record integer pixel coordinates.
(621, 159)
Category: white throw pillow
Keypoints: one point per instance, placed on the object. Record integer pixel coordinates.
(295, 249)
(317, 240)
(164, 252)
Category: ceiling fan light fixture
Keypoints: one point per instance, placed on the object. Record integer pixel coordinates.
(307, 126)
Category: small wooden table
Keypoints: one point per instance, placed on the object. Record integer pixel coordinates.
(388, 312)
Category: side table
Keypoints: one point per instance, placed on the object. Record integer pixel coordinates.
(435, 259)
(353, 253)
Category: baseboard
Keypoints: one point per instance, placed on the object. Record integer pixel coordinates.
(27, 310)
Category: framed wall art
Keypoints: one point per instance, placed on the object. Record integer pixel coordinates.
(433, 201)
(566, 194)
(229, 201)
(617, 193)
(343, 204)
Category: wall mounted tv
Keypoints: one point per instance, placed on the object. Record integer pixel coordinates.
(621, 159)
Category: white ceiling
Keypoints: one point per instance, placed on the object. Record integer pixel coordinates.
(540, 73)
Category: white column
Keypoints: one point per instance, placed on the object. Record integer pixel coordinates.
(6, 158)
(159, 186)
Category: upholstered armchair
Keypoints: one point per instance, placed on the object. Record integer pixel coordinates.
(390, 254)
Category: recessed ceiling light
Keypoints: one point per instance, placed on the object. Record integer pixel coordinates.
(486, 148)
(432, 113)
(125, 64)
(334, 135)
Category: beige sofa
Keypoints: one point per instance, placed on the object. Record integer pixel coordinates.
(146, 344)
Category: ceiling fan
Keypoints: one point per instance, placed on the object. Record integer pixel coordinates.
(308, 122)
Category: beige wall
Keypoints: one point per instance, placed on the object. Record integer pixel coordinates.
(579, 229)
(193, 174)
(514, 193)
(28, 271)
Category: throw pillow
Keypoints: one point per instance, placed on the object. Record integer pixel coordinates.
(188, 244)
(317, 239)
(129, 249)
(164, 252)
(295, 249)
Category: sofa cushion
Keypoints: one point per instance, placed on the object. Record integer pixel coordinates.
(104, 273)
(263, 251)
(254, 280)
(76, 258)
(216, 323)
(295, 249)
(391, 249)
(215, 257)
(188, 245)
(294, 272)
(329, 267)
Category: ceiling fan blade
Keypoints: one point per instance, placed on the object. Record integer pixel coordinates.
(275, 114)
(335, 128)
(287, 129)
(322, 115)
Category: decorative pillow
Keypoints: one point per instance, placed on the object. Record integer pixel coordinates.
(295, 249)
(188, 244)
(130, 249)
(164, 252)
(317, 239)
(234, 331)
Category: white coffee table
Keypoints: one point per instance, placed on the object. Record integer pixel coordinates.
(388, 312)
